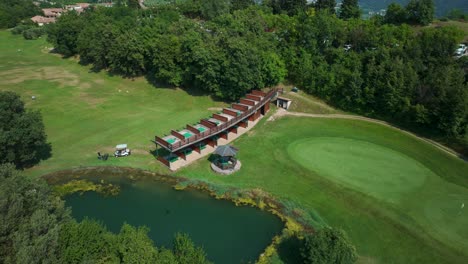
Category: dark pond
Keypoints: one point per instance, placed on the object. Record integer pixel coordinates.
(229, 234)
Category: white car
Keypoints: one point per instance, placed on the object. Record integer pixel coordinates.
(347, 47)
(460, 50)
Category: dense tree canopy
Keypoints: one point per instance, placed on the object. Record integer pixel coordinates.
(395, 14)
(328, 5)
(213, 8)
(12, 12)
(22, 135)
(290, 7)
(350, 9)
(328, 246)
(420, 11)
(30, 217)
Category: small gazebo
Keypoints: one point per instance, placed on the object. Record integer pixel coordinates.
(225, 161)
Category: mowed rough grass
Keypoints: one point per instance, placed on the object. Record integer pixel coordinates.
(86, 112)
(398, 198)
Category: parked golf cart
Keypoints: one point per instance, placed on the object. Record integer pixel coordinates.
(121, 150)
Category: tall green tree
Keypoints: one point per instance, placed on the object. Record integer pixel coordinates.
(213, 8)
(12, 12)
(328, 5)
(31, 218)
(241, 4)
(350, 9)
(328, 246)
(135, 4)
(290, 7)
(420, 11)
(186, 252)
(64, 34)
(23, 141)
(395, 14)
(126, 55)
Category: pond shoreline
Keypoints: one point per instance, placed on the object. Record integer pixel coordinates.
(240, 197)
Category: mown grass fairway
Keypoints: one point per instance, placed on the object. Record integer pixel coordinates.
(87, 112)
(397, 197)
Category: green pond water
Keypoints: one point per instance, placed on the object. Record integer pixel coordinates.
(228, 234)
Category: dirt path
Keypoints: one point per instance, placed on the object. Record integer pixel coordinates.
(281, 112)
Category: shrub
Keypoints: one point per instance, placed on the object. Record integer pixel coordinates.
(20, 29)
(328, 246)
(33, 33)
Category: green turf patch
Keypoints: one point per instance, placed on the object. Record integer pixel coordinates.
(201, 129)
(171, 140)
(187, 134)
(370, 168)
(398, 202)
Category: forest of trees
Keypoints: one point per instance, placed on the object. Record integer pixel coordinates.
(391, 72)
(36, 227)
(12, 12)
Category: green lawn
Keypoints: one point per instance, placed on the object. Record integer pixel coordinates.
(398, 198)
(87, 112)
(306, 103)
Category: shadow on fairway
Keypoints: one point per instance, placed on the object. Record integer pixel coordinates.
(157, 83)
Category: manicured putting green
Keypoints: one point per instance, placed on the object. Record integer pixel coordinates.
(367, 167)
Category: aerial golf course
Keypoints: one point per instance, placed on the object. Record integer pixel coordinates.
(399, 198)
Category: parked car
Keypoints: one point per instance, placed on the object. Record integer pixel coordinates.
(347, 47)
(461, 50)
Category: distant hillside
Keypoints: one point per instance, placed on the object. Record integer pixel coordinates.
(442, 6)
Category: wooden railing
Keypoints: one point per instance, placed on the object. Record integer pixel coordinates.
(215, 130)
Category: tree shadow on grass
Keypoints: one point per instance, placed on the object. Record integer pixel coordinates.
(288, 250)
(43, 152)
(157, 83)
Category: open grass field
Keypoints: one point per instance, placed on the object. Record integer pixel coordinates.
(88, 112)
(399, 198)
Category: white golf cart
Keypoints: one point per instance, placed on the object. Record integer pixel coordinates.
(121, 150)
